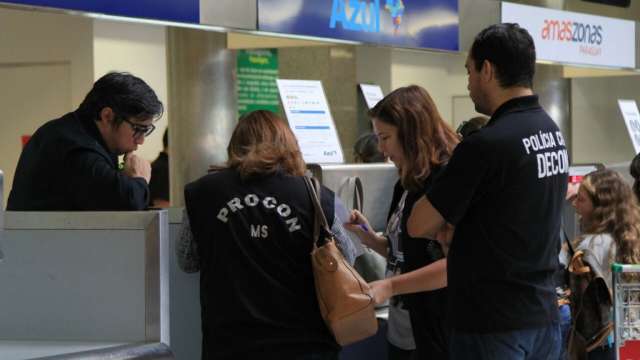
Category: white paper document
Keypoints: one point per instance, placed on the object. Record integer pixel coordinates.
(310, 119)
(629, 110)
(372, 94)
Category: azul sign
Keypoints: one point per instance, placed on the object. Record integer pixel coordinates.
(570, 37)
(364, 16)
(407, 23)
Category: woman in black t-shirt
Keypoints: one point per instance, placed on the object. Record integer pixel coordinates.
(413, 135)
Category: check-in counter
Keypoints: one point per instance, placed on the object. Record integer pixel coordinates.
(377, 181)
(89, 281)
(78, 281)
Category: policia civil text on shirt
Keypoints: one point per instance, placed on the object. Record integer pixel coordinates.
(71, 163)
(249, 231)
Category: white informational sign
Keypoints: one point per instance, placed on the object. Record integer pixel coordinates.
(309, 117)
(372, 94)
(576, 38)
(629, 110)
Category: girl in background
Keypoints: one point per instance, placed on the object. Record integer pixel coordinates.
(610, 222)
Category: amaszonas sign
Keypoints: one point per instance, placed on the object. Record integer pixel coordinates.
(569, 37)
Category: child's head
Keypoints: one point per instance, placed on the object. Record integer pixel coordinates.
(602, 193)
(607, 204)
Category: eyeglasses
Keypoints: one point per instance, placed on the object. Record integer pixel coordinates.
(138, 129)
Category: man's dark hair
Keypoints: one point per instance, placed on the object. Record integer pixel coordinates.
(510, 49)
(165, 138)
(127, 95)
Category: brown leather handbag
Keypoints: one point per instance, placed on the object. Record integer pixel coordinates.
(344, 298)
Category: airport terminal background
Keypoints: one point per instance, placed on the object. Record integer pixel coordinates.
(49, 58)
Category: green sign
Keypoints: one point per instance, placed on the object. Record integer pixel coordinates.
(257, 74)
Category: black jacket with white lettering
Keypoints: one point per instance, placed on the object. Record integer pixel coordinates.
(254, 237)
(503, 189)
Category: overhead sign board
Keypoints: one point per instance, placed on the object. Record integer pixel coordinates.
(405, 23)
(575, 38)
(187, 11)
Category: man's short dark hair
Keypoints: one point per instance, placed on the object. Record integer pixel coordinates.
(127, 95)
(510, 49)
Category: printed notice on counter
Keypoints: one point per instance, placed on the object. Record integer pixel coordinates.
(629, 110)
(309, 117)
(372, 94)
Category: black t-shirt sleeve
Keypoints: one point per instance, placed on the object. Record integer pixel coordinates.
(453, 191)
(96, 185)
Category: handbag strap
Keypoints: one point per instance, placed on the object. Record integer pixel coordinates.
(358, 194)
(568, 241)
(352, 185)
(320, 221)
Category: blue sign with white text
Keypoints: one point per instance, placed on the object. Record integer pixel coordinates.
(406, 23)
(187, 11)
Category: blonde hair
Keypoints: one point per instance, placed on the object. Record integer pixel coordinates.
(615, 211)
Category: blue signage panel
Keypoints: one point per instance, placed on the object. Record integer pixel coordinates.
(187, 11)
(407, 23)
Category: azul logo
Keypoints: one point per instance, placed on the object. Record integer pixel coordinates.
(396, 9)
(356, 15)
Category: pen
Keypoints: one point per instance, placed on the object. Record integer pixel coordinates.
(364, 227)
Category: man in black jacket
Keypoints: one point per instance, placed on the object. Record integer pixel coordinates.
(71, 163)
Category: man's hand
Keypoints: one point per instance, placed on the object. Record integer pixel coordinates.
(381, 291)
(136, 166)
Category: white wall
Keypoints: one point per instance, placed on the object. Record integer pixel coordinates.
(36, 37)
(141, 50)
(599, 133)
(45, 71)
(373, 66)
(443, 75)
